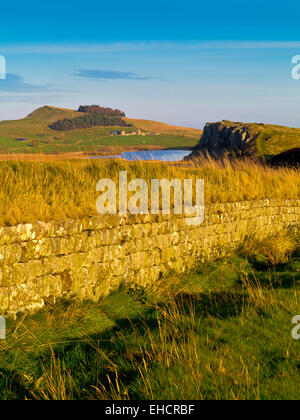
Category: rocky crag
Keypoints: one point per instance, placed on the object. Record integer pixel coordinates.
(227, 138)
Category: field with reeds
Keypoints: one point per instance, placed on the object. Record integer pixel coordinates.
(221, 332)
(33, 191)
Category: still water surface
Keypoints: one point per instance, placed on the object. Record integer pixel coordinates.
(162, 155)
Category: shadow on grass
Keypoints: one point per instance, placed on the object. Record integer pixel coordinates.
(12, 385)
(119, 349)
(97, 359)
(222, 304)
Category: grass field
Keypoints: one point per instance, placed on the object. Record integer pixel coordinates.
(83, 141)
(277, 139)
(42, 139)
(221, 332)
(67, 189)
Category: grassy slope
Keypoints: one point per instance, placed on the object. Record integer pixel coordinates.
(223, 332)
(148, 125)
(276, 139)
(36, 127)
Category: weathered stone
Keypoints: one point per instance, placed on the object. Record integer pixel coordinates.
(91, 257)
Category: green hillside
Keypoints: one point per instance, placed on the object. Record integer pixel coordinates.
(276, 139)
(33, 135)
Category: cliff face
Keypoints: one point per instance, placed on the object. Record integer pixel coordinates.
(229, 138)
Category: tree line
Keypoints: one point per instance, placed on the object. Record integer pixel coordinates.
(86, 121)
(101, 110)
(95, 116)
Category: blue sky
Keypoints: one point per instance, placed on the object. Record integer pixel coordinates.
(183, 63)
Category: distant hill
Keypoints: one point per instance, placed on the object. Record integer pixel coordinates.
(159, 127)
(245, 139)
(37, 136)
(33, 134)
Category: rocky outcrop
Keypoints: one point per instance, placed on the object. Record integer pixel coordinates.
(228, 138)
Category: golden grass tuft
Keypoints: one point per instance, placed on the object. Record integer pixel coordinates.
(67, 189)
(273, 250)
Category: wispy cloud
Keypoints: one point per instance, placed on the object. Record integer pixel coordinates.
(110, 75)
(32, 98)
(16, 83)
(144, 46)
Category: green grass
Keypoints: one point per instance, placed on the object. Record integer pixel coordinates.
(35, 128)
(222, 332)
(277, 139)
(77, 143)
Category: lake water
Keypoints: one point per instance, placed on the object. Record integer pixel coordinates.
(161, 155)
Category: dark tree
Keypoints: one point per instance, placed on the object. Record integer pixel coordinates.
(96, 109)
(88, 120)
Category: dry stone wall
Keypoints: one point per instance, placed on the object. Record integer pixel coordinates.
(90, 257)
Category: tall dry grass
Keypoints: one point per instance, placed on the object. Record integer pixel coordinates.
(33, 191)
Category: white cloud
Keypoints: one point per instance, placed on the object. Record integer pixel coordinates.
(145, 46)
(16, 83)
